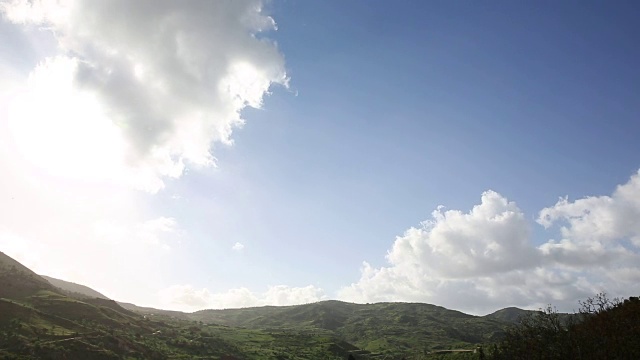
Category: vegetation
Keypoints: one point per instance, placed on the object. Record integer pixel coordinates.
(69, 321)
(387, 328)
(603, 329)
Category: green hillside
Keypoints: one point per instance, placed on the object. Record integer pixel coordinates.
(40, 321)
(411, 328)
(510, 314)
(178, 315)
(72, 321)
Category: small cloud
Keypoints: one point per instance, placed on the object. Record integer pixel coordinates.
(237, 247)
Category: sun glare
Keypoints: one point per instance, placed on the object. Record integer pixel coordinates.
(61, 130)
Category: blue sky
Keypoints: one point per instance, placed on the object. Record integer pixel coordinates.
(387, 111)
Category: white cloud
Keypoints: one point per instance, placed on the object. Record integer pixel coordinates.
(597, 224)
(237, 247)
(131, 93)
(493, 237)
(141, 88)
(486, 259)
(188, 298)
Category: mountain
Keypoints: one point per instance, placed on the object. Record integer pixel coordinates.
(71, 321)
(52, 318)
(509, 314)
(41, 321)
(414, 327)
(74, 289)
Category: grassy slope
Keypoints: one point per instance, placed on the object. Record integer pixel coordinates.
(36, 316)
(510, 314)
(155, 312)
(38, 320)
(382, 327)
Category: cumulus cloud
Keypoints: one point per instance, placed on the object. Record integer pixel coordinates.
(188, 298)
(600, 236)
(597, 224)
(493, 237)
(444, 258)
(154, 82)
(486, 258)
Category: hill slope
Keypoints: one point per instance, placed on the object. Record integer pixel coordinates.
(413, 327)
(74, 289)
(509, 314)
(18, 281)
(35, 316)
(39, 320)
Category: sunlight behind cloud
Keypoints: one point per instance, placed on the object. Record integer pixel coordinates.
(133, 93)
(63, 130)
(144, 89)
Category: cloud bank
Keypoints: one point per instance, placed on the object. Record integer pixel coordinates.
(186, 297)
(486, 258)
(142, 87)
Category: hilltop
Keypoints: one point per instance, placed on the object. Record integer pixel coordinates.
(509, 314)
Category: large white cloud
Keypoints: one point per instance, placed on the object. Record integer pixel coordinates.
(486, 258)
(123, 95)
(600, 237)
(493, 237)
(154, 82)
(598, 222)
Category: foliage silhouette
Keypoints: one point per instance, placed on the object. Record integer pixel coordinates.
(603, 329)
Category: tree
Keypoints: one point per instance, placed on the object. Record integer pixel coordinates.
(603, 329)
(539, 335)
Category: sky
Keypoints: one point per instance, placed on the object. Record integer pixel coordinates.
(221, 154)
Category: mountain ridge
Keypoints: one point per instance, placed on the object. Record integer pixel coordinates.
(514, 312)
(329, 329)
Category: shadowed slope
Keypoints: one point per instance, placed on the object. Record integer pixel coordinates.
(74, 289)
(18, 281)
